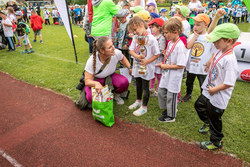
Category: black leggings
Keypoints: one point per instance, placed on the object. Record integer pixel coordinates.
(190, 81)
(211, 115)
(142, 85)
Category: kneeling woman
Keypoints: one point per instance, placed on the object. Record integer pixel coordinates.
(105, 53)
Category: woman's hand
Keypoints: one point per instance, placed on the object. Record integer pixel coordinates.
(98, 87)
(130, 72)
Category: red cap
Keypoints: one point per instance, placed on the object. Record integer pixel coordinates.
(158, 21)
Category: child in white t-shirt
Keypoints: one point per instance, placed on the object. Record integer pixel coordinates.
(46, 15)
(156, 29)
(173, 65)
(219, 83)
(8, 32)
(144, 48)
(200, 53)
(183, 12)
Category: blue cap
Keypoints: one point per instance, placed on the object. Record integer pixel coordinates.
(154, 15)
(163, 10)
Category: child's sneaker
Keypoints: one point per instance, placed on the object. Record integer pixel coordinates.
(25, 51)
(31, 51)
(186, 98)
(166, 119)
(118, 99)
(204, 129)
(140, 111)
(41, 41)
(17, 46)
(208, 145)
(34, 40)
(135, 105)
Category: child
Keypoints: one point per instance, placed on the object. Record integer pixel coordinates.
(54, 14)
(163, 13)
(219, 83)
(144, 51)
(8, 32)
(36, 25)
(122, 35)
(183, 13)
(13, 20)
(200, 54)
(172, 67)
(46, 16)
(155, 26)
(22, 31)
(238, 15)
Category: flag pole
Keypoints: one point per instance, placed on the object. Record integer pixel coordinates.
(73, 42)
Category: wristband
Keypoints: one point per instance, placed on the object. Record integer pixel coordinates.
(130, 67)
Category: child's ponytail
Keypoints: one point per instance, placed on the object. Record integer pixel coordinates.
(94, 56)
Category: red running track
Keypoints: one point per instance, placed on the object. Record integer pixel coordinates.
(41, 128)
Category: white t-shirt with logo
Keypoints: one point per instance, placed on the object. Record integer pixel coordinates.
(109, 69)
(8, 32)
(171, 79)
(162, 45)
(225, 72)
(151, 49)
(200, 54)
(186, 28)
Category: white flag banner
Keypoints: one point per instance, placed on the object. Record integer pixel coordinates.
(62, 9)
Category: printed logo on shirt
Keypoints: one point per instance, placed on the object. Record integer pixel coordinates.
(215, 74)
(197, 49)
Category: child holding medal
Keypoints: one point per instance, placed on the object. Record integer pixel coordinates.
(144, 48)
(173, 65)
(219, 83)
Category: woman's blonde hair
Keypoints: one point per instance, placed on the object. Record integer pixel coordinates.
(136, 21)
(98, 45)
(173, 25)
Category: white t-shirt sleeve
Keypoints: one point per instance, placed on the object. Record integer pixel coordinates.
(89, 65)
(190, 37)
(231, 72)
(181, 60)
(118, 54)
(155, 48)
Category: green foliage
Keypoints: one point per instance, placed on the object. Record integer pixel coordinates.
(53, 66)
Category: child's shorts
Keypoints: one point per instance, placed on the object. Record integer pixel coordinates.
(37, 32)
(25, 39)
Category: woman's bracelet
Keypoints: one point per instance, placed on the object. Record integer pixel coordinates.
(130, 67)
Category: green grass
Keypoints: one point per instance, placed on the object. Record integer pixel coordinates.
(53, 66)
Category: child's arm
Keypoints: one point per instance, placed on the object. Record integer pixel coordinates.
(8, 25)
(191, 42)
(218, 15)
(169, 66)
(218, 88)
(144, 62)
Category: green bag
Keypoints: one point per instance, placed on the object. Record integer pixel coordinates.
(103, 112)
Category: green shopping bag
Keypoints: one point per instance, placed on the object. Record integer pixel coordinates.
(103, 112)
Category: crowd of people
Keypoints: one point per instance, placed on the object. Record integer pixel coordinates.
(198, 38)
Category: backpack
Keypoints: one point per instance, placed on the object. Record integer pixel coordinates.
(22, 29)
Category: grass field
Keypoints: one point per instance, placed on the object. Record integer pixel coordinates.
(53, 66)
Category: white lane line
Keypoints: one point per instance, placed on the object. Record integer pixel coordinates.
(9, 158)
(57, 58)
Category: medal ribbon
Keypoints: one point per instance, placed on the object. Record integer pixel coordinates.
(171, 50)
(215, 62)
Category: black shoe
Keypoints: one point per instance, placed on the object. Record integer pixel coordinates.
(166, 119)
(186, 98)
(10, 50)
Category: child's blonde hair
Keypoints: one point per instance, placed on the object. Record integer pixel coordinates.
(10, 10)
(136, 21)
(173, 25)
